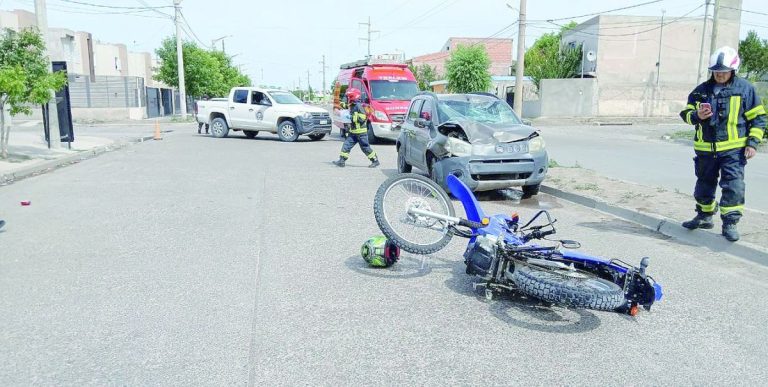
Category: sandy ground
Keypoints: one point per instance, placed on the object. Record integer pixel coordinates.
(653, 200)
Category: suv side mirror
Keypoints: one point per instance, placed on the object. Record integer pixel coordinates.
(422, 123)
(528, 122)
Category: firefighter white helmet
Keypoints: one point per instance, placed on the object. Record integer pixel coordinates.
(724, 59)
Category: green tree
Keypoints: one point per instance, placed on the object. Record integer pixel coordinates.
(424, 74)
(467, 70)
(754, 56)
(24, 77)
(205, 72)
(548, 59)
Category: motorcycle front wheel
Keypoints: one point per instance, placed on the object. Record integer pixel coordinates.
(417, 234)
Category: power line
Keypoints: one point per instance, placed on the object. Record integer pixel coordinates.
(744, 10)
(144, 3)
(193, 32)
(637, 32)
(602, 12)
(84, 11)
(114, 6)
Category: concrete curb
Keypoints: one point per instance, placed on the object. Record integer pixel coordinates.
(46, 166)
(669, 227)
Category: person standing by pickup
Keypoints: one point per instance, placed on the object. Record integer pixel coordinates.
(358, 132)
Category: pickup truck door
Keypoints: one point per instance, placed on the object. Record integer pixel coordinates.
(241, 113)
(264, 112)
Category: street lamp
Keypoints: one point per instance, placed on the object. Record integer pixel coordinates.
(213, 42)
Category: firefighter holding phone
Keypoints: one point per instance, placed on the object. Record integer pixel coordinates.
(730, 123)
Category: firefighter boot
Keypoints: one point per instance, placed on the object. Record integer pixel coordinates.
(700, 221)
(341, 162)
(730, 232)
(375, 163)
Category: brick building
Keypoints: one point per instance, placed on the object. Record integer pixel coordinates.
(499, 51)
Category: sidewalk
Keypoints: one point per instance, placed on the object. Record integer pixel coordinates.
(658, 209)
(28, 153)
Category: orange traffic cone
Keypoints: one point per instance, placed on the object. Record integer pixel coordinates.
(158, 136)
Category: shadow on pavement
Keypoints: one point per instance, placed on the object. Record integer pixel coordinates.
(409, 266)
(524, 312)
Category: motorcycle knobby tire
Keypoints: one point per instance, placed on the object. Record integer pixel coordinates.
(589, 293)
(378, 211)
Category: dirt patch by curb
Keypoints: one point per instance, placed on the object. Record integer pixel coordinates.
(649, 200)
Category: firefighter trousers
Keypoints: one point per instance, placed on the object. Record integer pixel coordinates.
(354, 139)
(728, 168)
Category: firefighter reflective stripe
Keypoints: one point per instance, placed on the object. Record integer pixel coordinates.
(344, 155)
(733, 119)
(699, 134)
(727, 210)
(708, 207)
(751, 114)
(358, 121)
(688, 115)
(720, 146)
(372, 156)
(756, 133)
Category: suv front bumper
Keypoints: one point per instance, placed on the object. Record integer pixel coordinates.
(484, 173)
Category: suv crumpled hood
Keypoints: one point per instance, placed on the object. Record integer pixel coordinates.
(479, 133)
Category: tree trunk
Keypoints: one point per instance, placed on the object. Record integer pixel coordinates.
(3, 135)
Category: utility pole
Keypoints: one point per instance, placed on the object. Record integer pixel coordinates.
(661, 39)
(715, 26)
(309, 87)
(54, 136)
(703, 35)
(322, 62)
(369, 36)
(180, 59)
(520, 70)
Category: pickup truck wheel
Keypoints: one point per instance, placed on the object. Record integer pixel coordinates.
(316, 137)
(250, 133)
(219, 127)
(287, 131)
(371, 136)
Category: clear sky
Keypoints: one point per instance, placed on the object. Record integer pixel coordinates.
(283, 39)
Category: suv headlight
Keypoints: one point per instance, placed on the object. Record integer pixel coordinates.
(381, 116)
(536, 144)
(306, 116)
(458, 148)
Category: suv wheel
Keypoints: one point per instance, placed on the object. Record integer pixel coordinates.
(402, 164)
(530, 190)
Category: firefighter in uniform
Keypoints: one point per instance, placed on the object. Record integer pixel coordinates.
(730, 123)
(358, 132)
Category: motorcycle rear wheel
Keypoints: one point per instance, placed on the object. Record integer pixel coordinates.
(413, 233)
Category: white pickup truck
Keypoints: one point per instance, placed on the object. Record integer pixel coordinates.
(251, 110)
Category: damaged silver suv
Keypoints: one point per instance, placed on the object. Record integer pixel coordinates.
(476, 137)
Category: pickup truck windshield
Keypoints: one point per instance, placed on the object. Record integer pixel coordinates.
(393, 90)
(477, 108)
(285, 98)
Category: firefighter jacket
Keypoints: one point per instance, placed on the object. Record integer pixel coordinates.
(738, 118)
(359, 115)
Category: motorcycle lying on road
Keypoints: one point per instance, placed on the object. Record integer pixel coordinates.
(418, 216)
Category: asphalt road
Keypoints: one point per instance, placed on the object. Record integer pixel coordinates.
(203, 261)
(637, 154)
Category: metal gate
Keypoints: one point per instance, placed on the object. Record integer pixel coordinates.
(153, 102)
(167, 101)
